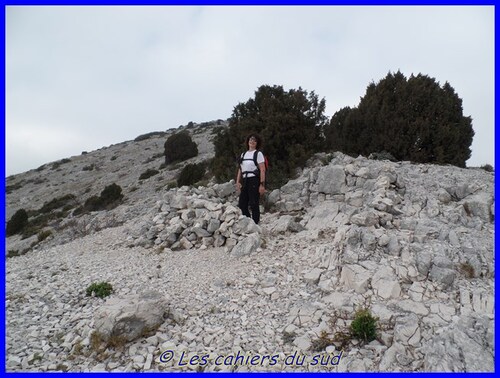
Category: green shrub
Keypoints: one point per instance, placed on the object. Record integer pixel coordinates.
(111, 194)
(149, 173)
(179, 147)
(57, 164)
(17, 222)
(149, 135)
(13, 253)
(487, 168)
(364, 326)
(40, 221)
(42, 235)
(109, 198)
(171, 185)
(99, 289)
(93, 203)
(90, 167)
(56, 203)
(10, 188)
(191, 174)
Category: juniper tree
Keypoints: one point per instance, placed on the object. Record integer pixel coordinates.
(413, 119)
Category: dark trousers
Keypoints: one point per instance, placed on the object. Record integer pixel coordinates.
(249, 197)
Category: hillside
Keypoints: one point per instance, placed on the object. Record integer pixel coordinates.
(411, 243)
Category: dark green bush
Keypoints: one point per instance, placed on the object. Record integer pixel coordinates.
(149, 173)
(149, 135)
(17, 222)
(57, 164)
(10, 188)
(93, 203)
(413, 119)
(191, 174)
(110, 197)
(41, 220)
(487, 168)
(364, 326)
(56, 203)
(100, 289)
(111, 194)
(180, 147)
(90, 167)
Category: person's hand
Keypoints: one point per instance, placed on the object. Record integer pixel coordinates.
(262, 189)
(238, 186)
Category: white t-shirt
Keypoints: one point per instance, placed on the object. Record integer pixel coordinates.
(249, 165)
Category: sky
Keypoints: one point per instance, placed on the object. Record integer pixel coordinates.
(82, 78)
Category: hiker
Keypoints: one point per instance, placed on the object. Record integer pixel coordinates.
(251, 177)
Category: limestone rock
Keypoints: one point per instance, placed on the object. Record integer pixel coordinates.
(130, 317)
(331, 180)
(246, 246)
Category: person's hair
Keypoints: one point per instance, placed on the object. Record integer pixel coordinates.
(256, 136)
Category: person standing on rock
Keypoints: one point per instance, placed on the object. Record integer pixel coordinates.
(251, 177)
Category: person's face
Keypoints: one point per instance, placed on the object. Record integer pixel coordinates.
(252, 142)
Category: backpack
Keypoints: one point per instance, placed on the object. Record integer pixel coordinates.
(257, 170)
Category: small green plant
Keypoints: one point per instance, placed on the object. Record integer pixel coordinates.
(364, 326)
(42, 235)
(100, 289)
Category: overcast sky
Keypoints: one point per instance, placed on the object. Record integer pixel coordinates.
(81, 78)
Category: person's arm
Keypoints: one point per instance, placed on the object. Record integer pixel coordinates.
(238, 179)
(262, 186)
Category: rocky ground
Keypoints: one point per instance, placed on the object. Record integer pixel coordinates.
(411, 243)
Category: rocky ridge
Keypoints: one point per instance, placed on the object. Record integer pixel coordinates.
(411, 242)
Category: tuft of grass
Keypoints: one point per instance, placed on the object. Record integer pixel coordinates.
(99, 289)
(42, 235)
(320, 344)
(467, 269)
